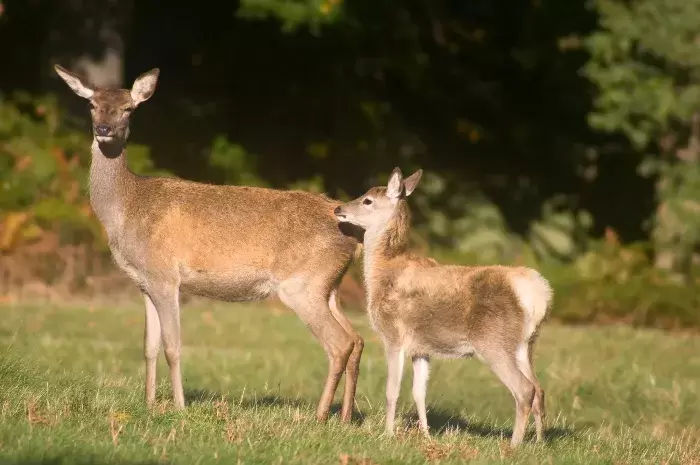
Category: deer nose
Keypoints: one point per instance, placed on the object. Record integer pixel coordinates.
(337, 210)
(102, 130)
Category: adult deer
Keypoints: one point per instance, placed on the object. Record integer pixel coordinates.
(226, 242)
(422, 309)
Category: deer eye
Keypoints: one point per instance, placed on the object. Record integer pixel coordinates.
(367, 201)
(128, 109)
(91, 105)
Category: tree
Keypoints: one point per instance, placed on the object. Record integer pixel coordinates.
(645, 64)
(89, 38)
(293, 14)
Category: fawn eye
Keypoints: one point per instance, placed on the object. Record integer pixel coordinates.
(91, 105)
(128, 109)
(367, 201)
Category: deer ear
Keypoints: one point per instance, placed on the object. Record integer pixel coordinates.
(393, 187)
(144, 86)
(410, 183)
(74, 82)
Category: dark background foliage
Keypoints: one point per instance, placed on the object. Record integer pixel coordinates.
(481, 91)
(560, 134)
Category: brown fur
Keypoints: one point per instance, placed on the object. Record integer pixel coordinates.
(225, 242)
(424, 309)
(438, 307)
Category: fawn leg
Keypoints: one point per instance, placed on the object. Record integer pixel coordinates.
(506, 368)
(394, 360)
(421, 369)
(524, 360)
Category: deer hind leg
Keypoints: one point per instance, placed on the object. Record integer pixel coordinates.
(505, 366)
(312, 308)
(524, 360)
(151, 347)
(352, 370)
(166, 301)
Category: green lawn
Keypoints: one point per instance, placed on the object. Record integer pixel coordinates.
(71, 392)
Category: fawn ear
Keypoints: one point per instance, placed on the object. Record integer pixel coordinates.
(144, 86)
(410, 183)
(74, 82)
(393, 187)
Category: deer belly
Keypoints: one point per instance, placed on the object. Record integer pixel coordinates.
(244, 284)
(439, 344)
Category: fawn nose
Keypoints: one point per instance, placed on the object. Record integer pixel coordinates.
(337, 210)
(102, 130)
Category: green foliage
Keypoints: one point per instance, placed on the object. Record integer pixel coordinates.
(140, 161)
(646, 68)
(293, 13)
(676, 226)
(312, 184)
(43, 175)
(562, 232)
(614, 283)
(645, 65)
(233, 163)
(466, 223)
(466, 226)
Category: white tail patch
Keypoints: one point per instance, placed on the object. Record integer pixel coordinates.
(534, 294)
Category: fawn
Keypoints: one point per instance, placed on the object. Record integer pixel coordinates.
(423, 309)
(226, 242)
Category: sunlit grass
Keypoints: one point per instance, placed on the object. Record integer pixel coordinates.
(71, 392)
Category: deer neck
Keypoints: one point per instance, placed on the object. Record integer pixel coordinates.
(110, 182)
(382, 245)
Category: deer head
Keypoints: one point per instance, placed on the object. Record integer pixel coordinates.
(374, 209)
(111, 109)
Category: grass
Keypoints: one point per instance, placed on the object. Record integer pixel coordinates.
(71, 392)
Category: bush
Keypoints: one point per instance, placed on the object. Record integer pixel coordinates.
(462, 224)
(44, 170)
(233, 163)
(615, 283)
(48, 232)
(43, 175)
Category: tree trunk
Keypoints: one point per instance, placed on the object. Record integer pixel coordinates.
(89, 38)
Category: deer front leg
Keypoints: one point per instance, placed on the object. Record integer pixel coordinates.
(167, 305)
(151, 347)
(421, 369)
(394, 360)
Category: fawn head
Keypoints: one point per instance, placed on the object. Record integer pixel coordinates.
(111, 108)
(375, 208)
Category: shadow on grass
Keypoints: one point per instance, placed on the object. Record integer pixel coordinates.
(441, 421)
(252, 401)
(72, 460)
(248, 402)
